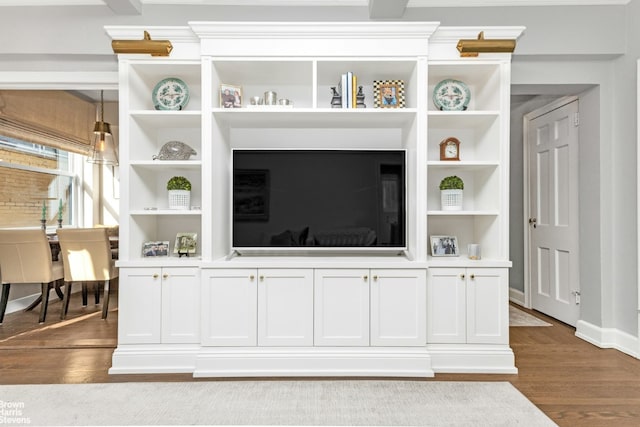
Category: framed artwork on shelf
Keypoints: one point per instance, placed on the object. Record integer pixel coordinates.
(155, 249)
(186, 244)
(444, 246)
(388, 94)
(230, 96)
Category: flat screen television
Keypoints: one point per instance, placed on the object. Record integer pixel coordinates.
(310, 199)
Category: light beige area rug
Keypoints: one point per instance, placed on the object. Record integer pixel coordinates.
(297, 402)
(518, 317)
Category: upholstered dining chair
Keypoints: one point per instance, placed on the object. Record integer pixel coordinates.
(86, 256)
(25, 257)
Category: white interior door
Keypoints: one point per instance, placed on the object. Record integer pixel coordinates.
(552, 137)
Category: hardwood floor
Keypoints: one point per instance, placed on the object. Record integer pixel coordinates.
(574, 383)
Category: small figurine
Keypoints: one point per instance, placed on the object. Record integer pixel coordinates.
(175, 150)
(336, 99)
(360, 98)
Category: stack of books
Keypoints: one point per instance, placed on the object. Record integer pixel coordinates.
(348, 89)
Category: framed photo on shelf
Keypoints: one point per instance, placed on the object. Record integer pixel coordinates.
(388, 94)
(444, 246)
(186, 244)
(230, 96)
(155, 249)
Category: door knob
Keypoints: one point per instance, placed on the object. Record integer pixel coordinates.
(533, 221)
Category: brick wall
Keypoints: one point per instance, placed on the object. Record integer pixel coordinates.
(22, 192)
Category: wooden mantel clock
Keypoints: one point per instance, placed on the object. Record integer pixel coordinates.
(450, 149)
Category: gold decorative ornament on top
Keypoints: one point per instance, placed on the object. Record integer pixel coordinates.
(472, 47)
(144, 46)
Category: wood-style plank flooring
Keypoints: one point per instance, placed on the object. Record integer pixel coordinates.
(574, 383)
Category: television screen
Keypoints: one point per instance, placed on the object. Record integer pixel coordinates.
(319, 198)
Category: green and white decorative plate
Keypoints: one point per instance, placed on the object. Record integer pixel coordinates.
(451, 95)
(170, 94)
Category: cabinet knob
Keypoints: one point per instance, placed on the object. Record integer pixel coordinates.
(473, 276)
(365, 277)
(462, 276)
(165, 276)
(252, 277)
(155, 275)
(262, 278)
(375, 278)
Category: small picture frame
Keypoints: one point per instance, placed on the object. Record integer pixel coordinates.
(155, 249)
(444, 246)
(230, 96)
(186, 244)
(388, 94)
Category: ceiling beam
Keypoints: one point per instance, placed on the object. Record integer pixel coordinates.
(387, 9)
(125, 7)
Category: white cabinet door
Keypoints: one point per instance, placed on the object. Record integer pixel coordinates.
(180, 305)
(398, 307)
(446, 302)
(139, 306)
(285, 307)
(229, 307)
(487, 306)
(341, 307)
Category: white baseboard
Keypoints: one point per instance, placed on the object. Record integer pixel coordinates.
(608, 338)
(517, 297)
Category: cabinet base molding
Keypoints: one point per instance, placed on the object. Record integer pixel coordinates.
(472, 358)
(314, 362)
(205, 362)
(271, 362)
(154, 359)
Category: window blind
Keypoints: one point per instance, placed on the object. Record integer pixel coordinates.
(53, 118)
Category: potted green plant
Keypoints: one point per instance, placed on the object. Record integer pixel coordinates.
(179, 189)
(451, 193)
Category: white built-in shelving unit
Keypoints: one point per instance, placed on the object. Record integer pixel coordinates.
(313, 314)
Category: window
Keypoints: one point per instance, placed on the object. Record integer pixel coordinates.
(39, 183)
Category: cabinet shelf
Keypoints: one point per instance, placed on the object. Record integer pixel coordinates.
(463, 262)
(461, 119)
(463, 213)
(186, 118)
(163, 164)
(316, 117)
(167, 261)
(165, 212)
(467, 165)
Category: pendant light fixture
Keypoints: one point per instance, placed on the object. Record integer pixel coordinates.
(103, 149)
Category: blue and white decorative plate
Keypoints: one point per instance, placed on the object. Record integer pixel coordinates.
(451, 95)
(170, 94)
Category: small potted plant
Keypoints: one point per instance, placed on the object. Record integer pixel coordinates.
(451, 193)
(179, 189)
